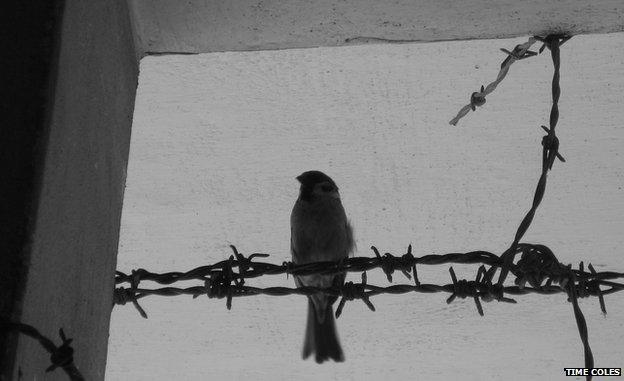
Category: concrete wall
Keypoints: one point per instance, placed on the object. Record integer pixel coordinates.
(199, 26)
(74, 242)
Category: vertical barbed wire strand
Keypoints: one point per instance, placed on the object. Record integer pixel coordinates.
(550, 150)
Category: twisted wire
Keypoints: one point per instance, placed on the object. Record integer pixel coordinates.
(477, 99)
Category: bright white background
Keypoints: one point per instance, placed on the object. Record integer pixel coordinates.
(218, 139)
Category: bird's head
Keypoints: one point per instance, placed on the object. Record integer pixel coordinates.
(317, 185)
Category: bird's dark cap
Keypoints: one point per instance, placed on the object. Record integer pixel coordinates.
(310, 178)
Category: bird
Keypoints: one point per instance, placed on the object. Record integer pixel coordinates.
(320, 231)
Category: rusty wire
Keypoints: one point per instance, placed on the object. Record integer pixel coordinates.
(537, 265)
(60, 357)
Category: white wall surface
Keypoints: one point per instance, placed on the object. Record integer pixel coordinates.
(218, 139)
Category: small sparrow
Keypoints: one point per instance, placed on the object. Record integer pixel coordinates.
(320, 231)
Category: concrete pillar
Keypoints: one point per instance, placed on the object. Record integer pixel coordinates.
(70, 206)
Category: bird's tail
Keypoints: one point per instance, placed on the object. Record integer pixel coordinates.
(322, 338)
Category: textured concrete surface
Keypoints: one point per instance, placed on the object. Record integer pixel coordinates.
(74, 244)
(199, 26)
(218, 139)
(28, 72)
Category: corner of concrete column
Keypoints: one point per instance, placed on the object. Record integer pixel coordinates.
(70, 118)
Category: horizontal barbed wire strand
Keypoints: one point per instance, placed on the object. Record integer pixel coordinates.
(538, 267)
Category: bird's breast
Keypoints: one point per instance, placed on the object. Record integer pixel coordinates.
(318, 231)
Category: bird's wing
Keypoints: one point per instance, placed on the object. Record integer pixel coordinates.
(350, 240)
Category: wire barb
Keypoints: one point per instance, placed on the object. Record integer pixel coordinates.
(350, 291)
(595, 287)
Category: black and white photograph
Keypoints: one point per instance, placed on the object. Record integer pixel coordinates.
(312, 190)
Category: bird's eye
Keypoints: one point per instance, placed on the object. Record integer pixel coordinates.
(326, 188)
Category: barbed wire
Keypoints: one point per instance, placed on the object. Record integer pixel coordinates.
(477, 98)
(538, 267)
(60, 357)
(550, 144)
